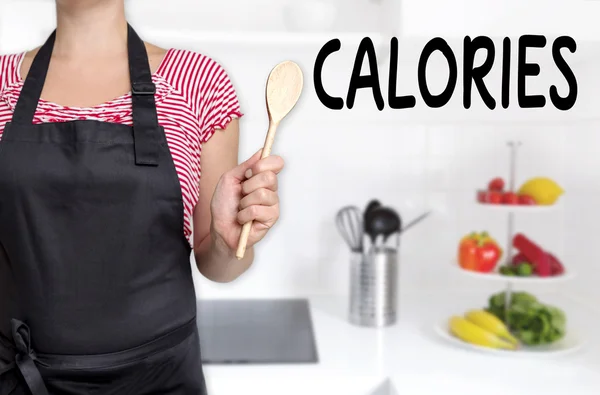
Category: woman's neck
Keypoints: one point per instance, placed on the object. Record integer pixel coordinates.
(90, 27)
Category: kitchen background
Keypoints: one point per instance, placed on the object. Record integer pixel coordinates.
(413, 160)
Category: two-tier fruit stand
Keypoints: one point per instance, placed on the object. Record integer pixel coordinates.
(570, 342)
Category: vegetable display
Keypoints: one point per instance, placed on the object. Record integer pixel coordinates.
(535, 191)
(479, 252)
(532, 322)
(531, 260)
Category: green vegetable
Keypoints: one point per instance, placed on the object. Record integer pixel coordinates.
(507, 270)
(531, 321)
(525, 269)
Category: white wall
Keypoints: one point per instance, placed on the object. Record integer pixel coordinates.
(410, 159)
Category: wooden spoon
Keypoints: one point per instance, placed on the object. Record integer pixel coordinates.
(284, 87)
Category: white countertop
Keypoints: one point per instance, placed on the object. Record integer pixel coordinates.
(357, 360)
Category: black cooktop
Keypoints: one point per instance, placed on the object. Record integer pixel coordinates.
(256, 331)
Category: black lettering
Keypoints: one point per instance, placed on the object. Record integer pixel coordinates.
(371, 80)
(437, 44)
(476, 74)
(506, 72)
(333, 103)
(397, 102)
(564, 103)
(528, 69)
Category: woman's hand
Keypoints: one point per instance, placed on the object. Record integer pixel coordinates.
(246, 193)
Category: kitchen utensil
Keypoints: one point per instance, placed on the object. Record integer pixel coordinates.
(349, 223)
(373, 288)
(309, 16)
(415, 221)
(373, 204)
(398, 225)
(382, 221)
(283, 90)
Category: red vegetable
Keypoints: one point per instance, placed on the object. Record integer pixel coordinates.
(518, 259)
(494, 197)
(526, 200)
(482, 196)
(497, 184)
(556, 267)
(478, 252)
(534, 254)
(510, 198)
(488, 256)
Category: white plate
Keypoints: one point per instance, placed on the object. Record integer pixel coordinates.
(569, 344)
(518, 208)
(495, 276)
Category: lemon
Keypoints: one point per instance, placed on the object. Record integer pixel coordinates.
(543, 190)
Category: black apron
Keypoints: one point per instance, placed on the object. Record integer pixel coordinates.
(96, 290)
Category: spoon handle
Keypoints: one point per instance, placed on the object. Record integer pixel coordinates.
(241, 250)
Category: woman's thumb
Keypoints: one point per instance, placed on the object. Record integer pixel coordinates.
(240, 170)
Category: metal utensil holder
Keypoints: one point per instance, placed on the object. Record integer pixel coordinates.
(374, 287)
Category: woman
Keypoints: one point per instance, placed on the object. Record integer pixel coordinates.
(98, 202)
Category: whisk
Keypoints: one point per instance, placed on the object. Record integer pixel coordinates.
(349, 223)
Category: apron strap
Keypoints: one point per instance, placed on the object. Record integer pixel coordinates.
(25, 359)
(146, 130)
(34, 84)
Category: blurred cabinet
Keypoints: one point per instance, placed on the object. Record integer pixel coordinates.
(458, 18)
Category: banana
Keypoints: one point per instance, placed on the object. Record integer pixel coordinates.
(473, 334)
(492, 324)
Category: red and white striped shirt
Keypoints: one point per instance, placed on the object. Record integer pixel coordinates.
(194, 96)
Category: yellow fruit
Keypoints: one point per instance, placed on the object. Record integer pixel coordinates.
(491, 323)
(542, 189)
(473, 334)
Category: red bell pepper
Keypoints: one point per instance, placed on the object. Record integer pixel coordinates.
(479, 253)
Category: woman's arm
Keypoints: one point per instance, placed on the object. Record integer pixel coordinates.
(231, 195)
(214, 260)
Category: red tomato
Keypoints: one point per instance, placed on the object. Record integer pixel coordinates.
(526, 200)
(494, 197)
(482, 196)
(497, 184)
(510, 198)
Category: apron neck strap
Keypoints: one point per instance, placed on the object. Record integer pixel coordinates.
(146, 129)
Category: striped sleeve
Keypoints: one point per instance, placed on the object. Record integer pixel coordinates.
(6, 68)
(219, 103)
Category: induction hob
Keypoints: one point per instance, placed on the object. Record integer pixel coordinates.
(256, 331)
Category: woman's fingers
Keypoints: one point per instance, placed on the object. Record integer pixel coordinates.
(239, 172)
(261, 201)
(259, 197)
(266, 179)
(271, 163)
(266, 215)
